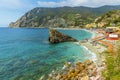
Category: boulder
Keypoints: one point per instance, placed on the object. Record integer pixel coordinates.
(57, 37)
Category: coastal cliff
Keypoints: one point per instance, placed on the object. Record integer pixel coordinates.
(61, 17)
(57, 37)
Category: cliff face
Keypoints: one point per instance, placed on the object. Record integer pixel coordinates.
(57, 37)
(63, 17)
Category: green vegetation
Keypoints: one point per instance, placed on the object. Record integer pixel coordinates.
(111, 18)
(112, 65)
(63, 17)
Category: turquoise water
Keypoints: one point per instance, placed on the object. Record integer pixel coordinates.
(25, 53)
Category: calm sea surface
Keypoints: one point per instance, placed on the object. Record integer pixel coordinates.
(25, 53)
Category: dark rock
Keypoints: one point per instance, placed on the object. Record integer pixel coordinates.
(57, 37)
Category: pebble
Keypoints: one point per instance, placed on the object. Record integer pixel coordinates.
(79, 71)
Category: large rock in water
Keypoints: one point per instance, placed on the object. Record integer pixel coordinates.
(57, 37)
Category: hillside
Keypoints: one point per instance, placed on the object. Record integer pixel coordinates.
(111, 18)
(63, 17)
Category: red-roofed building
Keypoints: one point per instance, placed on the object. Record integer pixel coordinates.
(113, 36)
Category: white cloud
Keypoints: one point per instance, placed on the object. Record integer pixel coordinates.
(15, 4)
(61, 3)
(90, 3)
(11, 10)
(96, 3)
(11, 4)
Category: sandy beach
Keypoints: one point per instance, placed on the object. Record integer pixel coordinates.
(95, 49)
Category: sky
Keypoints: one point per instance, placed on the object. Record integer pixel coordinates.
(11, 10)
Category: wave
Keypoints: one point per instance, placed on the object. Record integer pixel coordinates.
(94, 57)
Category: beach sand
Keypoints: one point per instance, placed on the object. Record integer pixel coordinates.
(95, 49)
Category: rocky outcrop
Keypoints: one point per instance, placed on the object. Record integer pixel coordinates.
(57, 37)
(86, 70)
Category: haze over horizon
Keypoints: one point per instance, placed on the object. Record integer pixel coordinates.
(11, 10)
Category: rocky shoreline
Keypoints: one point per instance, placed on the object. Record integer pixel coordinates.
(87, 70)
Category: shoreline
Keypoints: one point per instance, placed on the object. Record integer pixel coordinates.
(96, 51)
(94, 57)
(69, 28)
(95, 67)
(47, 28)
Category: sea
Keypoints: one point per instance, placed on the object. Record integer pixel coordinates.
(26, 54)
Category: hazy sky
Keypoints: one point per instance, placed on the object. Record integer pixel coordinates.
(11, 10)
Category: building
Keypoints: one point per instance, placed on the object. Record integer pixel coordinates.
(112, 36)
